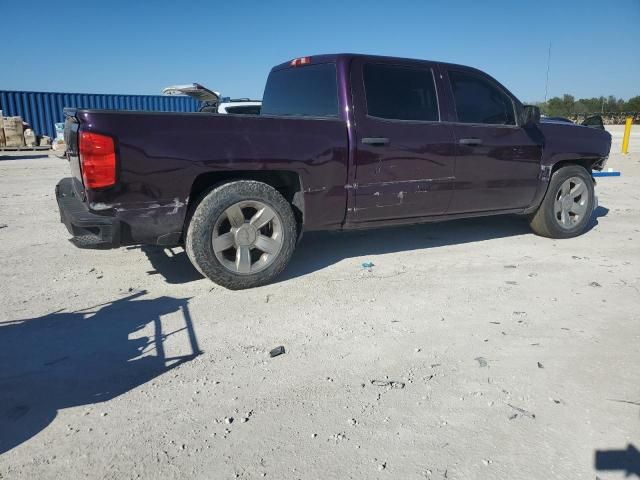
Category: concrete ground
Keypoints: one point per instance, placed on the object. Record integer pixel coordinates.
(472, 349)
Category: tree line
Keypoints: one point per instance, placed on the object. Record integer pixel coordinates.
(568, 105)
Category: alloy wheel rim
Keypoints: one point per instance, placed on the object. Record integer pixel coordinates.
(571, 203)
(247, 237)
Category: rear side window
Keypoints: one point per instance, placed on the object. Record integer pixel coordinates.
(400, 93)
(478, 101)
(302, 91)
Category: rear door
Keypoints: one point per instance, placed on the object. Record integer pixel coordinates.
(497, 161)
(405, 156)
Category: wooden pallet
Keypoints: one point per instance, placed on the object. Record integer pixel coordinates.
(22, 149)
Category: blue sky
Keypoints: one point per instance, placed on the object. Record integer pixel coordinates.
(141, 47)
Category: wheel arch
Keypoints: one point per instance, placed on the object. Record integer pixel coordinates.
(586, 163)
(548, 169)
(287, 183)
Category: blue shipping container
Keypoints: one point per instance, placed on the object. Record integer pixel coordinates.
(43, 109)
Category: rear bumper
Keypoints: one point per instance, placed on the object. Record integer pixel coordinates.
(89, 230)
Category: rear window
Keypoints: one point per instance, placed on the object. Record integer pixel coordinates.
(309, 91)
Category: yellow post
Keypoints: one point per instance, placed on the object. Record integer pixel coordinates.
(625, 137)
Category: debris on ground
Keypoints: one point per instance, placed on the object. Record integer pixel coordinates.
(540, 365)
(594, 284)
(368, 266)
(388, 383)
(624, 401)
(523, 411)
(3, 225)
(481, 361)
(277, 351)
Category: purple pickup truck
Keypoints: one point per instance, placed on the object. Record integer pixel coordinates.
(342, 142)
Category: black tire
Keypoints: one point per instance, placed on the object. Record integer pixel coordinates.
(199, 244)
(545, 222)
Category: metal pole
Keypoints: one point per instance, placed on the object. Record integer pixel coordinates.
(546, 86)
(625, 137)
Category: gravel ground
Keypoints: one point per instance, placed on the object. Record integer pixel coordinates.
(471, 349)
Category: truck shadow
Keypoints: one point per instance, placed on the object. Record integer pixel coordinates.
(68, 359)
(172, 263)
(318, 250)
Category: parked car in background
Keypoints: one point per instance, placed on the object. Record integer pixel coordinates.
(342, 142)
(242, 106)
(213, 102)
(594, 121)
(545, 118)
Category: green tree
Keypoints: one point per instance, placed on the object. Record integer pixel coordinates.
(559, 107)
(632, 105)
(580, 107)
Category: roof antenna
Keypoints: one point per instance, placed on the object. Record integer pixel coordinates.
(546, 86)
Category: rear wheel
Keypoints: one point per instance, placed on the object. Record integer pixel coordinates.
(567, 206)
(241, 235)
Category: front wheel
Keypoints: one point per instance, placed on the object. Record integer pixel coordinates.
(241, 235)
(567, 206)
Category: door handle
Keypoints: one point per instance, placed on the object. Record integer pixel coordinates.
(470, 141)
(375, 141)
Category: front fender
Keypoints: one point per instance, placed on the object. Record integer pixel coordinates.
(569, 144)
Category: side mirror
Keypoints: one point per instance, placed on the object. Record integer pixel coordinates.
(530, 115)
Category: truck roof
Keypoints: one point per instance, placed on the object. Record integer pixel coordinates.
(334, 57)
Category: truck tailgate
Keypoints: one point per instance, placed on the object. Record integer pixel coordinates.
(71, 127)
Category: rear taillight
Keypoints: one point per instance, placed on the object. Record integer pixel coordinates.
(97, 160)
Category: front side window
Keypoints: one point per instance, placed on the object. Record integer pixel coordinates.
(305, 91)
(400, 93)
(478, 101)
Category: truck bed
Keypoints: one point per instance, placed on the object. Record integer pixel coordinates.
(161, 156)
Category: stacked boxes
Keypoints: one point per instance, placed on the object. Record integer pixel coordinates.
(12, 131)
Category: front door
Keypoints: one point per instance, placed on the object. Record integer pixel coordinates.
(498, 161)
(405, 156)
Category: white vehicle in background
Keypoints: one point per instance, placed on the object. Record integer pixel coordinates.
(240, 105)
(213, 102)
